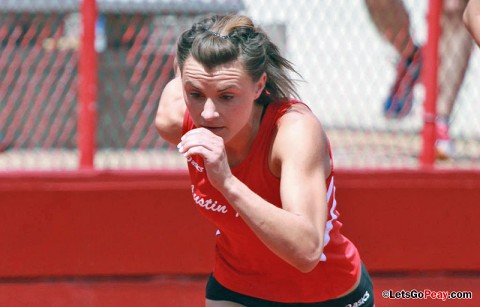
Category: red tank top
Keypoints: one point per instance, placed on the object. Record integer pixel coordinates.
(243, 263)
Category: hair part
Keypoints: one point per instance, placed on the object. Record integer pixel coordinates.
(221, 39)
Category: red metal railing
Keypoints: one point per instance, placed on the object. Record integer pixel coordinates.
(430, 77)
(87, 85)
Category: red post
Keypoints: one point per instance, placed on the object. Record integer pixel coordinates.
(430, 78)
(87, 91)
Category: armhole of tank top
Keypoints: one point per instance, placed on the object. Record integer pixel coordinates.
(331, 157)
(274, 125)
(187, 122)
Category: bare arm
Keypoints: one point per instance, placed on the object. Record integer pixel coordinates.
(295, 232)
(471, 18)
(171, 109)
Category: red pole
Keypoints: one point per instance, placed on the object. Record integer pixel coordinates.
(87, 91)
(430, 78)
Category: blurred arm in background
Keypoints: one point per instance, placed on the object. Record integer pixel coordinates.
(171, 109)
(471, 19)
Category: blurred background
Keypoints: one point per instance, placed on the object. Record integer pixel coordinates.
(348, 70)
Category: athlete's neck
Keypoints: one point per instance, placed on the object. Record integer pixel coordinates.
(239, 147)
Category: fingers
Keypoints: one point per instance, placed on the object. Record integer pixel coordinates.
(201, 142)
(210, 147)
(205, 153)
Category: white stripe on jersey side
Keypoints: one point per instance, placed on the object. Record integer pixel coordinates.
(329, 225)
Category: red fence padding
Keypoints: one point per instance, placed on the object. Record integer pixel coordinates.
(129, 223)
(61, 224)
(412, 220)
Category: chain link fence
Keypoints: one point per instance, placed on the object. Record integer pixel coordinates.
(348, 69)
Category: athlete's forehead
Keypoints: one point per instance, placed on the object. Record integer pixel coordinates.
(231, 72)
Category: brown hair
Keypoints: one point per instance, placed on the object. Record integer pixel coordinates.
(221, 39)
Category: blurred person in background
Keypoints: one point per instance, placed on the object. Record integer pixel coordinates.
(261, 170)
(471, 18)
(393, 22)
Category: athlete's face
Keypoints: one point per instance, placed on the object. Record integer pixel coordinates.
(221, 99)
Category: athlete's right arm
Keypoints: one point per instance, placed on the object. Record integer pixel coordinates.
(171, 109)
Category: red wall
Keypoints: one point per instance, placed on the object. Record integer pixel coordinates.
(141, 223)
(413, 220)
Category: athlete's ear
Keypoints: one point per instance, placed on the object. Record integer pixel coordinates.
(260, 85)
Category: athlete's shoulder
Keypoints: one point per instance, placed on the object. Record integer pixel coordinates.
(298, 117)
(300, 135)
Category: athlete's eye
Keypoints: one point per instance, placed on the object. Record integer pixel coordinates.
(227, 97)
(195, 95)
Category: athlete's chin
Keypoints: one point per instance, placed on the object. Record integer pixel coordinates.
(222, 132)
(216, 130)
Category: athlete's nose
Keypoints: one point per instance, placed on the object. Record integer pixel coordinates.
(209, 112)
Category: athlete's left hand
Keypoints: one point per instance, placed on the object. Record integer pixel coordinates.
(211, 148)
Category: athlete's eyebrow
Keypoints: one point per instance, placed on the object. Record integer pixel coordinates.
(190, 83)
(227, 87)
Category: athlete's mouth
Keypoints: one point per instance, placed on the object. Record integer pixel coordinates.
(213, 128)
